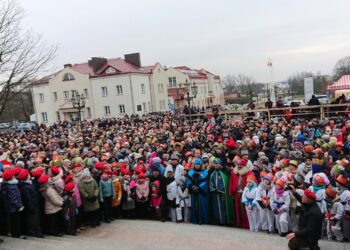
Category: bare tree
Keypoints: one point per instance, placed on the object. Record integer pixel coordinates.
(239, 84)
(341, 68)
(296, 82)
(23, 54)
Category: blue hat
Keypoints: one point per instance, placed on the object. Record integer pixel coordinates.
(198, 161)
(217, 161)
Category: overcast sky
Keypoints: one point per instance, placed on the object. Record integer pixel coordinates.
(225, 37)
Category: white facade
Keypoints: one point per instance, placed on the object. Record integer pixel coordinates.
(126, 94)
(159, 88)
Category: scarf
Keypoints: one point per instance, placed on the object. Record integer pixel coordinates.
(264, 186)
(251, 187)
(307, 169)
(316, 189)
(279, 192)
(28, 182)
(13, 181)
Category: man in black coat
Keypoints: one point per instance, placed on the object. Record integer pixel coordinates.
(310, 223)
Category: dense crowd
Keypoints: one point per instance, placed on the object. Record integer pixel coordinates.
(259, 175)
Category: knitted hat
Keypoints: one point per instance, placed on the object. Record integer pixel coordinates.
(281, 181)
(23, 175)
(69, 186)
(298, 179)
(331, 192)
(16, 170)
(342, 180)
(293, 163)
(37, 172)
(308, 149)
(55, 171)
(269, 177)
(217, 161)
(309, 194)
(198, 161)
(99, 165)
(320, 179)
(251, 178)
(8, 174)
(43, 179)
(141, 176)
(188, 167)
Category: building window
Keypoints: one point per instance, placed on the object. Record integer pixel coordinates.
(55, 96)
(164, 104)
(121, 109)
(88, 112)
(162, 87)
(44, 116)
(205, 89)
(172, 82)
(104, 91)
(119, 89)
(110, 70)
(86, 93)
(139, 107)
(142, 88)
(74, 93)
(58, 116)
(150, 107)
(144, 107)
(160, 105)
(41, 97)
(107, 110)
(66, 94)
(68, 77)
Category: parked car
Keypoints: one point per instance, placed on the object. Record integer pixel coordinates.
(300, 102)
(24, 126)
(322, 98)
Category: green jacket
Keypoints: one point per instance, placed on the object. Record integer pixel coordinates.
(89, 193)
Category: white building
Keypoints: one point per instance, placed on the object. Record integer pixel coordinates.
(115, 87)
(209, 93)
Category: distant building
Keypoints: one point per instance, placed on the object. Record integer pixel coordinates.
(210, 91)
(115, 87)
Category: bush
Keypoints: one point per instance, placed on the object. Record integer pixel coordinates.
(238, 100)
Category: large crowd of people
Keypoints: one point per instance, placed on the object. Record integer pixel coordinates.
(276, 176)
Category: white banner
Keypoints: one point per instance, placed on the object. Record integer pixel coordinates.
(308, 88)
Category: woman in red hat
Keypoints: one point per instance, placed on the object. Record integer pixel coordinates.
(13, 202)
(53, 204)
(142, 192)
(31, 200)
(70, 208)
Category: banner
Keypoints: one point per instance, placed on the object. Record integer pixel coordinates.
(308, 88)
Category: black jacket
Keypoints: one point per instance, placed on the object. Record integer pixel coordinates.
(30, 197)
(310, 222)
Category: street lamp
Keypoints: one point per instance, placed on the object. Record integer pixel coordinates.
(78, 102)
(190, 89)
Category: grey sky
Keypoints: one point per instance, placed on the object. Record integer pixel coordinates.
(222, 36)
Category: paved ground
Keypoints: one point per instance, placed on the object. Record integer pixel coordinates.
(144, 235)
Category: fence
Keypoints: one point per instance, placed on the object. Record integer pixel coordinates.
(319, 111)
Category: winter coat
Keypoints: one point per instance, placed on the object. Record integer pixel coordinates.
(30, 197)
(142, 191)
(89, 192)
(70, 205)
(12, 197)
(106, 189)
(310, 223)
(118, 192)
(59, 184)
(52, 200)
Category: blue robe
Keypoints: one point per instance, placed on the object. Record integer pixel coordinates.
(198, 186)
(218, 192)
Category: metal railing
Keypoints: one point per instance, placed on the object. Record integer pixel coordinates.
(319, 111)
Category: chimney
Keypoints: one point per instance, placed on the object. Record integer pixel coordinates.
(133, 59)
(96, 63)
(68, 65)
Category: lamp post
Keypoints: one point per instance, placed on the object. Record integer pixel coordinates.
(191, 93)
(78, 102)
